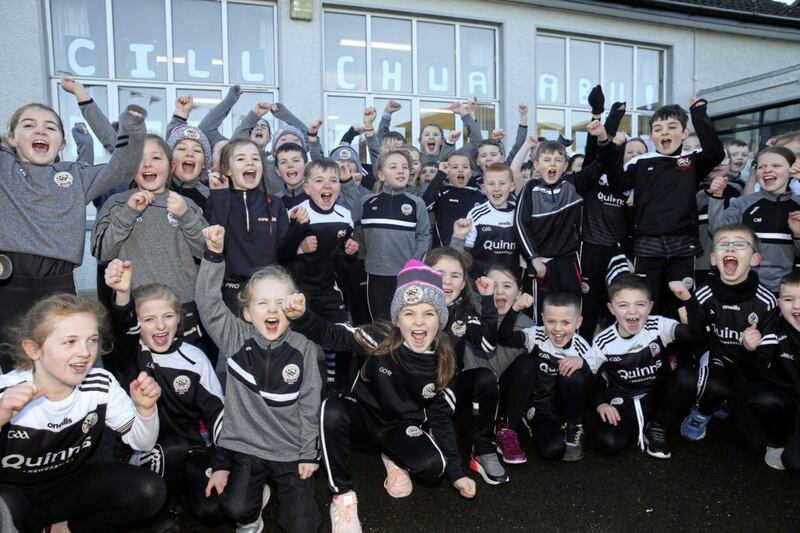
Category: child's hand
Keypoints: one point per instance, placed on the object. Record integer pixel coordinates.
(619, 106)
(351, 247)
(299, 215)
(597, 100)
(145, 392)
(619, 138)
(472, 105)
(751, 337)
(498, 134)
(458, 107)
(369, 116)
(523, 111)
(140, 200)
(59, 527)
(314, 126)
(392, 106)
(16, 398)
(176, 204)
(218, 481)
(596, 129)
(309, 245)
(465, 486)
(680, 291)
(294, 306)
(262, 108)
(118, 275)
(215, 238)
(444, 166)
(461, 227)
(522, 302)
(453, 137)
(608, 413)
(75, 88)
(794, 223)
(568, 365)
(718, 185)
(539, 267)
(136, 111)
(217, 181)
(485, 286)
(184, 105)
(696, 102)
(794, 170)
(306, 470)
(531, 142)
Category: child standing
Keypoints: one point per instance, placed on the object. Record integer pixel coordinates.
(190, 154)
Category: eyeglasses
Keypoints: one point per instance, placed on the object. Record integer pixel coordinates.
(736, 245)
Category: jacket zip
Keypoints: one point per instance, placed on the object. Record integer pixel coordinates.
(246, 211)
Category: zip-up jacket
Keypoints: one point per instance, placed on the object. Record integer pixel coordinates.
(464, 326)
(449, 203)
(492, 239)
(780, 352)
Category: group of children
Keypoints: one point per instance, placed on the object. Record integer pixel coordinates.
(485, 299)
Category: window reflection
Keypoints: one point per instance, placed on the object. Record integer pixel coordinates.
(197, 46)
(345, 52)
(152, 100)
(251, 44)
(401, 120)
(436, 58)
(79, 38)
(477, 62)
(584, 70)
(550, 69)
(618, 79)
(343, 112)
(649, 70)
(203, 102)
(549, 123)
(70, 113)
(391, 55)
(436, 113)
(139, 39)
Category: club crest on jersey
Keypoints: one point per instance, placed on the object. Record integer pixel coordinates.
(291, 373)
(406, 209)
(429, 391)
(616, 401)
(413, 431)
(181, 384)
(688, 283)
(584, 287)
(171, 219)
(684, 163)
(752, 318)
(459, 328)
(412, 295)
(341, 234)
(655, 349)
(529, 414)
(89, 422)
(63, 179)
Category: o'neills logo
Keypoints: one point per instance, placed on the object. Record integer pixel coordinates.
(51, 459)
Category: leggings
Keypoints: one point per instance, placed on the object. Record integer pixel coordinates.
(380, 291)
(96, 498)
(476, 408)
(778, 412)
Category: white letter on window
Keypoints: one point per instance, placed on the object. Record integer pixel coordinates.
(247, 74)
(394, 76)
(192, 66)
(340, 63)
(142, 69)
(478, 79)
(72, 57)
(548, 83)
(432, 85)
(584, 87)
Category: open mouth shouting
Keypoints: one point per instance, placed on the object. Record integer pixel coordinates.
(272, 325)
(161, 340)
(730, 264)
(632, 324)
(40, 146)
(188, 167)
(79, 368)
(326, 199)
(429, 147)
(419, 338)
(249, 178)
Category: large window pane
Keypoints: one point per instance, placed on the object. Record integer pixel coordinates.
(197, 47)
(345, 52)
(485, 117)
(70, 113)
(391, 55)
(436, 44)
(247, 101)
(477, 62)
(401, 120)
(251, 44)
(79, 38)
(579, 121)
(139, 39)
(203, 102)
(437, 113)
(584, 70)
(549, 123)
(153, 100)
(649, 71)
(618, 79)
(550, 69)
(343, 112)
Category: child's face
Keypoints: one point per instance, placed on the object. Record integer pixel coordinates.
(789, 302)
(691, 143)
(794, 146)
(497, 186)
(37, 137)
(506, 291)
(630, 307)
(430, 140)
(772, 172)
(419, 325)
(667, 134)
(395, 172)
(187, 160)
(245, 167)
(416, 165)
(632, 149)
(159, 323)
(550, 166)
(459, 171)
(560, 323)
(349, 168)
(487, 155)
(216, 152)
(577, 164)
(526, 172)
(323, 188)
(389, 143)
(265, 308)
(290, 166)
(453, 279)
(153, 168)
(427, 174)
(289, 138)
(739, 156)
(722, 169)
(261, 134)
(67, 354)
(734, 265)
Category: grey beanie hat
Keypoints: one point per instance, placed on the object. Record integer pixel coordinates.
(418, 283)
(344, 152)
(185, 131)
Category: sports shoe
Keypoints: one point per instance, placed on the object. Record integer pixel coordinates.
(344, 513)
(573, 438)
(773, 458)
(489, 467)
(694, 425)
(258, 525)
(397, 483)
(508, 445)
(722, 413)
(656, 439)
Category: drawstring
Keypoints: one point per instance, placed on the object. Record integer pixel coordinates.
(637, 404)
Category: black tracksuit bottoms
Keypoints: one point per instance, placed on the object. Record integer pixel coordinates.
(779, 414)
(476, 408)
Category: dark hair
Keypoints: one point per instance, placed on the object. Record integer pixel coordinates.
(744, 228)
(498, 168)
(549, 147)
(628, 281)
(459, 153)
(792, 278)
(465, 261)
(527, 165)
(431, 164)
(396, 135)
(158, 139)
(638, 140)
(562, 299)
(320, 165)
(289, 147)
(735, 142)
(511, 272)
(572, 160)
(227, 152)
(491, 142)
(782, 151)
(666, 112)
(431, 125)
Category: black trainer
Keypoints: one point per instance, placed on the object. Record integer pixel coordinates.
(573, 438)
(655, 436)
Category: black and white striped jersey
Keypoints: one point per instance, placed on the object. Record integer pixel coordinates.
(493, 238)
(547, 357)
(48, 440)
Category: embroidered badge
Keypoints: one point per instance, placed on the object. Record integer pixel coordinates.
(291, 373)
(412, 295)
(181, 384)
(63, 179)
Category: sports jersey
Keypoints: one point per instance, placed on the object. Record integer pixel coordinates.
(463, 325)
(493, 238)
(730, 309)
(49, 440)
(547, 357)
(450, 204)
(780, 352)
(604, 215)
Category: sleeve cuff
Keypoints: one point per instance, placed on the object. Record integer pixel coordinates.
(213, 257)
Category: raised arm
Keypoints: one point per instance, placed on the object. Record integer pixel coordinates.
(216, 116)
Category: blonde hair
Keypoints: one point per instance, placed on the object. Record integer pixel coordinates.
(275, 272)
(157, 291)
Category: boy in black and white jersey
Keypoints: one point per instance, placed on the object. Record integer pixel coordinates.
(642, 395)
